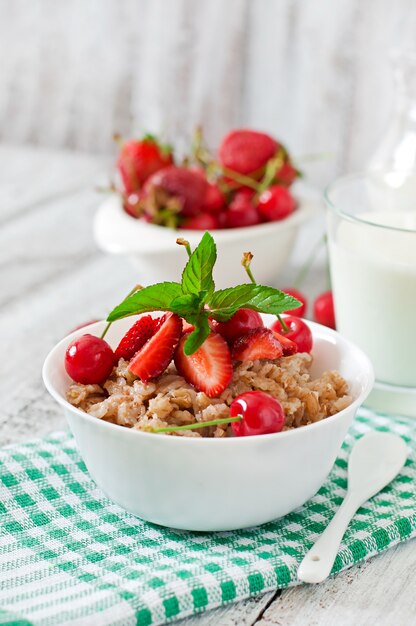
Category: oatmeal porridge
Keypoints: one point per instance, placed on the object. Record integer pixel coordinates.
(170, 401)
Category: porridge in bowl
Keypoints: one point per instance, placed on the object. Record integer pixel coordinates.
(170, 401)
(207, 367)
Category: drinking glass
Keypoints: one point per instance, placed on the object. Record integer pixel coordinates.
(371, 226)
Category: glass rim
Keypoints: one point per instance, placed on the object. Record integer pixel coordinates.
(356, 176)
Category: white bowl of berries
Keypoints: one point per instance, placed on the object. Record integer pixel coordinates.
(245, 195)
(213, 415)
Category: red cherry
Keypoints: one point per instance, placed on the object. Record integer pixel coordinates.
(203, 221)
(275, 203)
(222, 218)
(131, 204)
(241, 211)
(261, 413)
(323, 309)
(287, 174)
(243, 196)
(300, 310)
(239, 324)
(299, 332)
(214, 200)
(89, 360)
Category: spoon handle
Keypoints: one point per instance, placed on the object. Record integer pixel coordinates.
(318, 562)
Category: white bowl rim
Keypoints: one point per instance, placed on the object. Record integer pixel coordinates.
(317, 330)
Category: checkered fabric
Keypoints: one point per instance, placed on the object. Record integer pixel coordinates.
(70, 556)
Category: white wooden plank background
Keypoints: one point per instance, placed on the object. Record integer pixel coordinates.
(51, 279)
(314, 72)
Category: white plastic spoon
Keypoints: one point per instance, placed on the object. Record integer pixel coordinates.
(374, 461)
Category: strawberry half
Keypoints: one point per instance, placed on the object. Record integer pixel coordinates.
(289, 347)
(259, 343)
(135, 338)
(209, 369)
(156, 354)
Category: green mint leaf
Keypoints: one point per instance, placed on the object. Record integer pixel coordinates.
(197, 336)
(157, 297)
(224, 303)
(187, 306)
(197, 275)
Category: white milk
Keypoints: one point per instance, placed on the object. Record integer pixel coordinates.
(374, 283)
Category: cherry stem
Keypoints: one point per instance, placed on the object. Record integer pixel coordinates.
(118, 140)
(241, 179)
(110, 189)
(183, 242)
(135, 288)
(283, 324)
(273, 166)
(246, 260)
(250, 274)
(304, 270)
(313, 156)
(172, 429)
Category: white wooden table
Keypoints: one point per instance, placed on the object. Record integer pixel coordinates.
(53, 278)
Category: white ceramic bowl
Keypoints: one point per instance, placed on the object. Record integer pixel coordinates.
(157, 257)
(213, 484)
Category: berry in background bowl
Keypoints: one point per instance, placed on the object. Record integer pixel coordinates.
(249, 194)
(186, 408)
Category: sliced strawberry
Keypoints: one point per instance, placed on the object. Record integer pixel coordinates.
(259, 343)
(289, 347)
(186, 326)
(156, 354)
(209, 369)
(135, 338)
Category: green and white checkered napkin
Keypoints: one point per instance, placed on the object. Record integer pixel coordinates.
(68, 554)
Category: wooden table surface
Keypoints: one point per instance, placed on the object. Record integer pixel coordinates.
(52, 278)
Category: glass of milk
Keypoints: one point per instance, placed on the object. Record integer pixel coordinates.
(371, 223)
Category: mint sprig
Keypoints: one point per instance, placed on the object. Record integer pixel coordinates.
(225, 302)
(158, 297)
(197, 275)
(196, 300)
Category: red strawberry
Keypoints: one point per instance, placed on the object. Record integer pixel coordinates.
(181, 184)
(289, 347)
(247, 151)
(203, 221)
(209, 369)
(156, 354)
(139, 159)
(135, 338)
(186, 326)
(259, 343)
